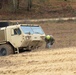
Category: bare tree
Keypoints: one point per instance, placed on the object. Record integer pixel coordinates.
(29, 5)
(15, 4)
(1, 4)
(65, 0)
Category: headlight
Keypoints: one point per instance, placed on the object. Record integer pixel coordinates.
(28, 37)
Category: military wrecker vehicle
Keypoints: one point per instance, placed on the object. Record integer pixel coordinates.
(14, 38)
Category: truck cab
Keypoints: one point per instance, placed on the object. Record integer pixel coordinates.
(22, 37)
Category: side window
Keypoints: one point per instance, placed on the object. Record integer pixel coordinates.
(17, 31)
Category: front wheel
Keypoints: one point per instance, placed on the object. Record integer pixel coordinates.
(6, 50)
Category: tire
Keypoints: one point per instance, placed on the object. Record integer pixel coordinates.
(6, 50)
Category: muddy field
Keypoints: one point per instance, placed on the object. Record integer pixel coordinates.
(63, 32)
(59, 60)
(48, 62)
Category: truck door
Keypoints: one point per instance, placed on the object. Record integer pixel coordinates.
(16, 37)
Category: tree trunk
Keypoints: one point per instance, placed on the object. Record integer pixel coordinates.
(29, 5)
(1, 3)
(15, 5)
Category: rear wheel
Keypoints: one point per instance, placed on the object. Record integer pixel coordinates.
(6, 50)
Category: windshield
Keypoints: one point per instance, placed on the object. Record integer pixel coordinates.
(37, 30)
(32, 30)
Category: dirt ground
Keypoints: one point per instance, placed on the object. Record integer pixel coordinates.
(63, 32)
(55, 61)
(59, 60)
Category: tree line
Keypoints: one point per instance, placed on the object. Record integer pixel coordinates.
(15, 4)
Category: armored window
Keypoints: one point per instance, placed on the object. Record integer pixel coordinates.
(37, 30)
(17, 31)
(27, 29)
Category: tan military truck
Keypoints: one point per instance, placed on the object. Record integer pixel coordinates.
(14, 38)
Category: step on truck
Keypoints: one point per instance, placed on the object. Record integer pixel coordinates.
(14, 38)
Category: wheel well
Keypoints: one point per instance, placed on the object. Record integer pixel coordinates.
(8, 43)
(11, 45)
